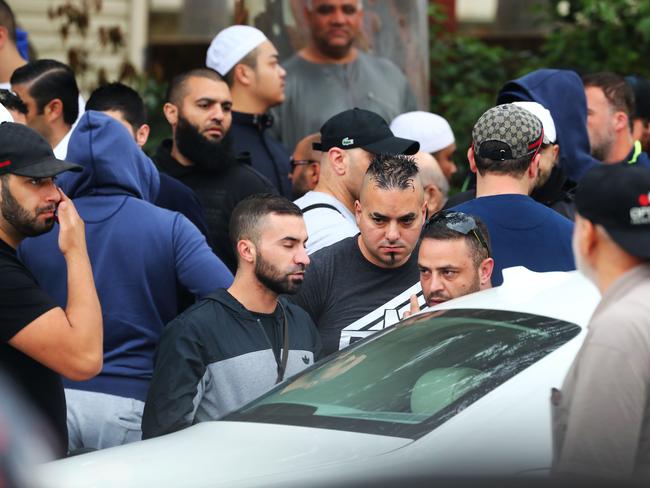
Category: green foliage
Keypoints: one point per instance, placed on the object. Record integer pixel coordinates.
(153, 93)
(466, 75)
(584, 35)
(599, 35)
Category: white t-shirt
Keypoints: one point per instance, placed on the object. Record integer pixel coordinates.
(326, 226)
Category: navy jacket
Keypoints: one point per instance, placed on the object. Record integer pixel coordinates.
(139, 252)
(251, 134)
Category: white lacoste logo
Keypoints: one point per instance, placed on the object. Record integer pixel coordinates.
(347, 141)
(640, 215)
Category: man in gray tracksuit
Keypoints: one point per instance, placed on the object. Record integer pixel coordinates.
(236, 344)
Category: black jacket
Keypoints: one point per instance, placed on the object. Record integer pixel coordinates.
(251, 134)
(217, 356)
(218, 193)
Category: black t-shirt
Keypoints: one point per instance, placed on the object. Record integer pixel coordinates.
(21, 302)
(341, 286)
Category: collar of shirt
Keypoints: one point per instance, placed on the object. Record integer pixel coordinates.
(259, 121)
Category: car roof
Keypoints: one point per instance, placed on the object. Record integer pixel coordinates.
(562, 295)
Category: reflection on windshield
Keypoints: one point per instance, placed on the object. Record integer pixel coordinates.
(414, 376)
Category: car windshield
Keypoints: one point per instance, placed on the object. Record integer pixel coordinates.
(411, 378)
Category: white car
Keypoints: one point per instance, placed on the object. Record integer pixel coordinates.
(462, 389)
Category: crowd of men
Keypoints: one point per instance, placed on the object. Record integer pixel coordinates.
(140, 295)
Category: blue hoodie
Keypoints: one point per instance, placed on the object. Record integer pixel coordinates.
(140, 253)
(563, 94)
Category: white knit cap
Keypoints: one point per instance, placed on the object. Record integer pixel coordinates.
(544, 116)
(5, 115)
(231, 45)
(431, 130)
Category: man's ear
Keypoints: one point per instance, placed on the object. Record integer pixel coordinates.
(621, 121)
(4, 36)
(171, 113)
(246, 250)
(470, 158)
(587, 232)
(53, 110)
(339, 160)
(435, 198)
(243, 74)
(533, 167)
(357, 211)
(142, 135)
(485, 273)
(314, 174)
(556, 153)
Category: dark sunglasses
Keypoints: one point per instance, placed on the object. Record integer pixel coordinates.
(459, 222)
(301, 162)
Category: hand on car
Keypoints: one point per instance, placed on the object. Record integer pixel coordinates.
(414, 308)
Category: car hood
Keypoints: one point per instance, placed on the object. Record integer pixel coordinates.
(215, 454)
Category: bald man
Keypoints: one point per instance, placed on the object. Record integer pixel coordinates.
(305, 166)
(436, 187)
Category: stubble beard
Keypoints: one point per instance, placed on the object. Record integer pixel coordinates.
(274, 279)
(20, 219)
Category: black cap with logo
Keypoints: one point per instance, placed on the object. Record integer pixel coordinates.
(364, 129)
(24, 152)
(617, 197)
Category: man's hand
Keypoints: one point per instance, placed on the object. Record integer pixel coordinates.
(415, 306)
(72, 234)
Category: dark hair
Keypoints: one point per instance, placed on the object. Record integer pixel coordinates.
(249, 60)
(177, 88)
(49, 80)
(439, 230)
(11, 101)
(121, 98)
(247, 215)
(618, 92)
(392, 171)
(8, 20)
(511, 167)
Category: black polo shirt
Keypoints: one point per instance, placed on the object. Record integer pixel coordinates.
(21, 302)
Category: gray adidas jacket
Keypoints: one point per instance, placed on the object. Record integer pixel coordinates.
(215, 357)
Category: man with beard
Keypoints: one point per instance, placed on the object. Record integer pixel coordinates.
(199, 154)
(454, 258)
(236, 344)
(601, 417)
(610, 108)
(359, 275)
(41, 340)
(331, 74)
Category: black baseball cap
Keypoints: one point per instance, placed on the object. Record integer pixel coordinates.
(24, 152)
(364, 129)
(617, 196)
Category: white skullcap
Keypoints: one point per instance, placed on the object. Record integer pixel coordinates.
(231, 45)
(5, 116)
(544, 116)
(431, 130)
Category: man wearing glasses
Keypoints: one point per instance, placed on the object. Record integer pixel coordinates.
(305, 166)
(505, 155)
(331, 74)
(454, 258)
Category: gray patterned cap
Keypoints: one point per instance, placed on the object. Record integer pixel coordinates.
(507, 132)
